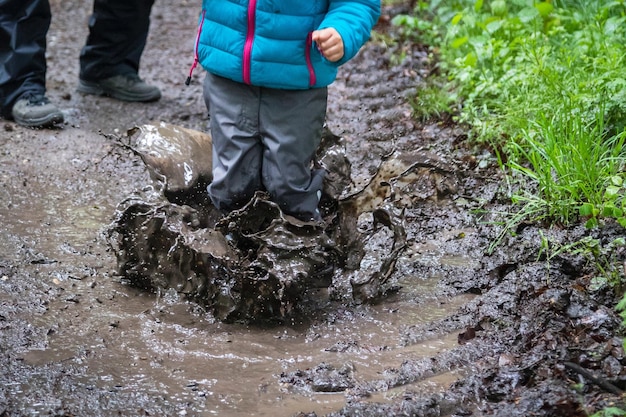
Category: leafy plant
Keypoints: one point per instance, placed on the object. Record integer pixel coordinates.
(542, 82)
(577, 168)
(610, 412)
(433, 100)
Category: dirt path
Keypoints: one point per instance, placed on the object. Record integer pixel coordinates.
(513, 333)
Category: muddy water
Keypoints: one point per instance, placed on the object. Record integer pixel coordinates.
(122, 340)
(219, 369)
(78, 338)
(128, 340)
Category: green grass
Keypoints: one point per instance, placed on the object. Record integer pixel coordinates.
(542, 83)
(573, 164)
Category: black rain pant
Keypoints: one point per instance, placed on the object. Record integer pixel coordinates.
(118, 30)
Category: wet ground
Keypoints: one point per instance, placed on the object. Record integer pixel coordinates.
(518, 331)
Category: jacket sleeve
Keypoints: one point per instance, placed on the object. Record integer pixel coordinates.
(354, 20)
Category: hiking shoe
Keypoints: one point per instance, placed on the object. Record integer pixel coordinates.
(35, 110)
(127, 87)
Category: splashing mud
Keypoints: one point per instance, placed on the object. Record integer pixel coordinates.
(256, 263)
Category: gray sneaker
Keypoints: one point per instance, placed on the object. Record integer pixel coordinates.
(127, 87)
(35, 110)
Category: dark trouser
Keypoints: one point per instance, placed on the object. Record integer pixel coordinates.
(118, 30)
(23, 28)
(265, 139)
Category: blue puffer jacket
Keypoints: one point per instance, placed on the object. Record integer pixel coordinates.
(267, 43)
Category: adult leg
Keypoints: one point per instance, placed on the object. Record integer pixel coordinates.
(109, 61)
(291, 124)
(23, 28)
(237, 149)
(118, 30)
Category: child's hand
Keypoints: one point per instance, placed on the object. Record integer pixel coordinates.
(329, 43)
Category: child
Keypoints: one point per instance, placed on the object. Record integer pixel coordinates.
(269, 63)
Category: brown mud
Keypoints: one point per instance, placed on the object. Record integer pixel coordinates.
(523, 330)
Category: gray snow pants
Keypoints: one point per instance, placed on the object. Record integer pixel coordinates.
(265, 139)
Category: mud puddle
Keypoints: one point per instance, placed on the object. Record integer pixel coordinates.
(130, 340)
(121, 340)
(72, 223)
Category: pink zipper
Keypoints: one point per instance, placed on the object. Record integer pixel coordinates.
(247, 50)
(195, 57)
(309, 64)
